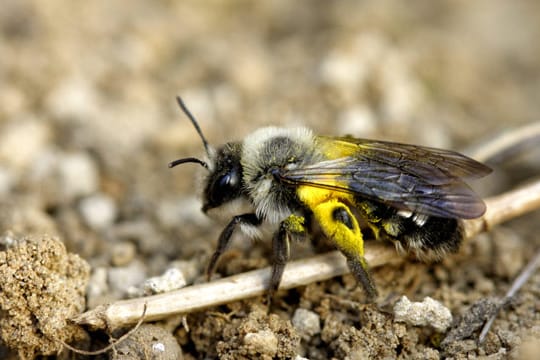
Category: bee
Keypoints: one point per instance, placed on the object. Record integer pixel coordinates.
(414, 196)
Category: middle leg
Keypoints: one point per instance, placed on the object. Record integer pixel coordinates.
(295, 226)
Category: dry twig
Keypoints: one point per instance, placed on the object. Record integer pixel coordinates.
(113, 343)
(529, 270)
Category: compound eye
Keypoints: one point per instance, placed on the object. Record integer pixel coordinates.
(224, 188)
(228, 181)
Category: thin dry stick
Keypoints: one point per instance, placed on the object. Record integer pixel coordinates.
(237, 287)
(508, 143)
(529, 270)
(114, 343)
(504, 207)
(297, 273)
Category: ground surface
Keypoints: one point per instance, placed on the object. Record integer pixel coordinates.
(88, 123)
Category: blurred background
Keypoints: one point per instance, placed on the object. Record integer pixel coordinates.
(88, 118)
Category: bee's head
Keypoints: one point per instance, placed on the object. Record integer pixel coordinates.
(224, 181)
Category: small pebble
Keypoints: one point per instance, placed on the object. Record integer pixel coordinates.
(342, 71)
(350, 66)
(190, 268)
(530, 347)
(401, 93)
(145, 235)
(123, 253)
(428, 312)
(7, 180)
(74, 97)
(22, 140)
(306, 322)
(510, 254)
(97, 287)
(357, 121)
(171, 213)
(78, 175)
(172, 279)
(264, 342)
(7, 240)
(123, 277)
(98, 211)
(249, 70)
(153, 341)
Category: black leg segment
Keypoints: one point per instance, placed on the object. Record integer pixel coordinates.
(280, 251)
(293, 226)
(225, 237)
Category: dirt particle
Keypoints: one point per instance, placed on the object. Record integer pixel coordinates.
(306, 322)
(98, 211)
(149, 342)
(172, 279)
(243, 337)
(426, 313)
(42, 287)
(262, 342)
(122, 278)
(471, 321)
(123, 253)
(530, 347)
(509, 250)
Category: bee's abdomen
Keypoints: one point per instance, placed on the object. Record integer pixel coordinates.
(431, 240)
(428, 238)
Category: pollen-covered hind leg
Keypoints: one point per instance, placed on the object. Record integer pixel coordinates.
(339, 225)
(294, 225)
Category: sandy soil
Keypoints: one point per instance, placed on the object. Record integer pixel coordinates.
(88, 123)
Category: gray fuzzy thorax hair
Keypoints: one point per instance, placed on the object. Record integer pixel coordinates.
(265, 150)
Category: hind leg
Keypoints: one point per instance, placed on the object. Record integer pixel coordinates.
(339, 225)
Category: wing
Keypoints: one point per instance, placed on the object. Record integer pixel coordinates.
(420, 179)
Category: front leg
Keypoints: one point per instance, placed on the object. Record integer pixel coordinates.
(225, 238)
(295, 226)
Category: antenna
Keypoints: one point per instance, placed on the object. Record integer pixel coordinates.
(205, 143)
(194, 122)
(187, 160)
